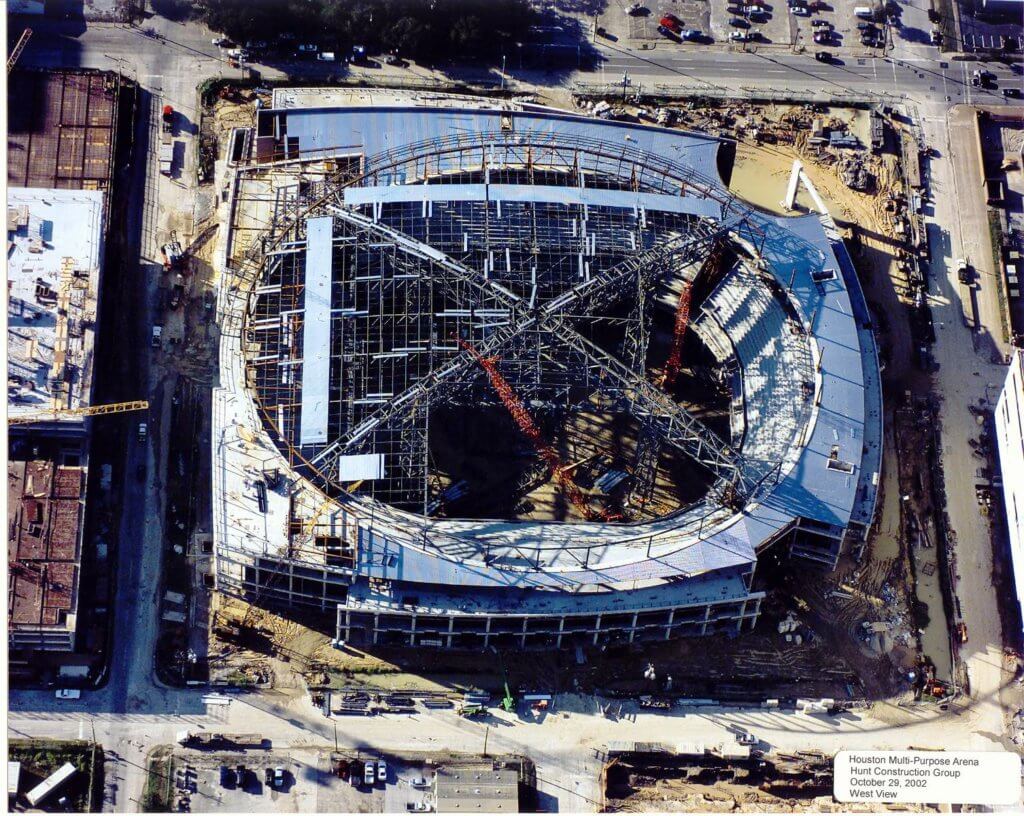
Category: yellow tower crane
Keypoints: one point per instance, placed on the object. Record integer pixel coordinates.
(54, 414)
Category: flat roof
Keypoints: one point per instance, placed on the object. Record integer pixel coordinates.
(61, 128)
(476, 788)
(316, 331)
(54, 255)
(45, 511)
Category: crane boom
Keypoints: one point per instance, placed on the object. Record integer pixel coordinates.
(18, 48)
(675, 357)
(522, 418)
(53, 414)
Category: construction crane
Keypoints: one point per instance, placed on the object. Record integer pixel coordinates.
(18, 48)
(508, 702)
(530, 430)
(54, 414)
(675, 357)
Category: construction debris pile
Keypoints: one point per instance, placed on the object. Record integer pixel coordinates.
(699, 779)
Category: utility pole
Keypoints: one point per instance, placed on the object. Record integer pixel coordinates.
(503, 72)
(487, 733)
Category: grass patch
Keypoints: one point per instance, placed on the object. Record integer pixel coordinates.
(996, 237)
(40, 758)
(158, 793)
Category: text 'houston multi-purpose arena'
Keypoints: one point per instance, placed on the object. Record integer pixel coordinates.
(493, 374)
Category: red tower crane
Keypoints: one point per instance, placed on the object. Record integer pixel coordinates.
(675, 357)
(522, 418)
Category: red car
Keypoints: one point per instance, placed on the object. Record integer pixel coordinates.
(671, 22)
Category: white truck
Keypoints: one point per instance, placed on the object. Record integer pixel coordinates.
(167, 158)
(157, 337)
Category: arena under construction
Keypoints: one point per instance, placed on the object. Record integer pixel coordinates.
(496, 374)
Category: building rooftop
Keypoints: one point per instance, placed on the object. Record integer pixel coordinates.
(54, 254)
(477, 789)
(45, 508)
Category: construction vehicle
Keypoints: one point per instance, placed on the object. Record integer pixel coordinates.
(508, 702)
(18, 48)
(174, 256)
(54, 414)
(167, 119)
(177, 290)
(472, 710)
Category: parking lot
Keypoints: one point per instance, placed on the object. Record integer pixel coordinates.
(300, 781)
(750, 24)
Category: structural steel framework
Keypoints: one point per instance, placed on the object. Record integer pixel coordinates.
(529, 282)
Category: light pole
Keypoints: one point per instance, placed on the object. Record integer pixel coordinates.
(503, 72)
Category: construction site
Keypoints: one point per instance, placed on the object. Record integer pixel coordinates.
(731, 778)
(501, 376)
(62, 143)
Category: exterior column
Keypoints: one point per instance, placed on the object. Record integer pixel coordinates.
(561, 628)
(376, 625)
(668, 626)
(451, 628)
(412, 630)
(632, 628)
(522, 637)
(487, 632)
(597, 629)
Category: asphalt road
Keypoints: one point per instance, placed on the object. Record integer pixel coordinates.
(133, 712)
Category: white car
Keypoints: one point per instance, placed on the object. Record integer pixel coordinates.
(739, 36)
(634, 8)
(307, 48)
(219, 41)
(68, 694)
(801, 11)
(325, 56)
(382, 771)
(419, 782)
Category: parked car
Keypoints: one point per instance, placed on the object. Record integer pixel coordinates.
(801, 11)
(740, 36)
(671, 22)
(325, 56)
(746, 738)
(222, 42)
(417, 807)
(355, 773)
(382, 771)
(690, 34)
(821, 24)
(419, 782)
(279, 777)
(635, 8)
(739, 22)
(822, 37)
(369, 775)
(1012, 93)
(307, 48)
(227, 777)
(823, 56)
(68, 694)
(268, 777)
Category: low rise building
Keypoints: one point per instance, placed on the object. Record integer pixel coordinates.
(476, 789)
